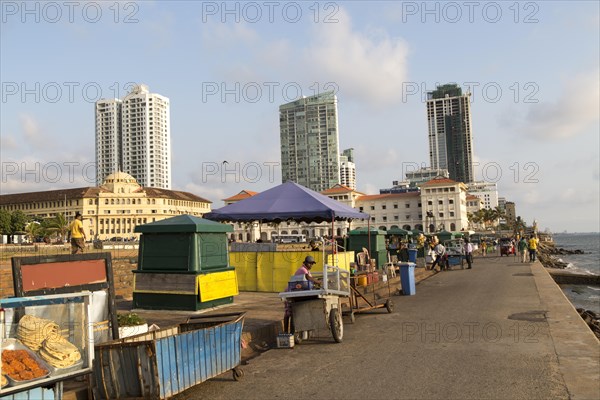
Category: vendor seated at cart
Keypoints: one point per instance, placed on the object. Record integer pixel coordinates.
(307, 265)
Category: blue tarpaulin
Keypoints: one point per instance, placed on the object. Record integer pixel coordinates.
(288, 201)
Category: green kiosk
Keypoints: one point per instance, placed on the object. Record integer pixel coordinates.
(183, 264)
(359, 238)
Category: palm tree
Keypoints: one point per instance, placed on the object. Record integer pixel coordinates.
(33, 230)
(58, 225)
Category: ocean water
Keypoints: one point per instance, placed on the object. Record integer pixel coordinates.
(582, 296)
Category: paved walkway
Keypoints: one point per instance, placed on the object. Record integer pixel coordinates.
(503, 330)
(264, 313)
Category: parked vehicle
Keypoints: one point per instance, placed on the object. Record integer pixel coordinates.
(506, 247)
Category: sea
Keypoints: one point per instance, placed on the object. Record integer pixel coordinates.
(581, 296)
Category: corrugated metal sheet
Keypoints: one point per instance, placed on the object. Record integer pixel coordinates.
(38, 393)
(169, 361)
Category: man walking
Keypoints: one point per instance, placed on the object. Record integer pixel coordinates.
(440, 259)
(468, 253)
(533, 242)
(522, 246)
(77, 234)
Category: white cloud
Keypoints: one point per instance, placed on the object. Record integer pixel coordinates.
(32, 132)
(7, 142)
(369, 66)
(570, 113)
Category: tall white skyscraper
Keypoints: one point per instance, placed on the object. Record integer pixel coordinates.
(133, 135)
(450, 138)
(108, 138)
(348, 169)
(310, 141)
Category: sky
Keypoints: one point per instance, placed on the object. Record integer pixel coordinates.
(532, 69)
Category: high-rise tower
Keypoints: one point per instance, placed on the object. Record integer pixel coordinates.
(310, 141)
(450, 137)
(133, 135)
(108, 138)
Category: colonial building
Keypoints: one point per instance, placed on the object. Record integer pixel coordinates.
(392, 210)
(474, 204)
(443, 198)
(444, 205)
(112, 209)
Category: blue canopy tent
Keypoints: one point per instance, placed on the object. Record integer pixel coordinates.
(288, 201)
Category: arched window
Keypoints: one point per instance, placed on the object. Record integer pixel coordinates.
(382, 228)
(453, 227)
(431, 228)
(406, 227)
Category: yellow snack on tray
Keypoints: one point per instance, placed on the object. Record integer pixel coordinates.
(59, 353)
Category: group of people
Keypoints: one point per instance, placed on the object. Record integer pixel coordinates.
(528, 247)
(441, 255)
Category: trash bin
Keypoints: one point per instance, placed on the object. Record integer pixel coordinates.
(412, 255)
(407, 278)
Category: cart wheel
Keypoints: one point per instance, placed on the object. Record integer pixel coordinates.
(238, 374)
(336, 325)
(389, 305)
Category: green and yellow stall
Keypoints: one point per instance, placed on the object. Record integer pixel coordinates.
(183, 264)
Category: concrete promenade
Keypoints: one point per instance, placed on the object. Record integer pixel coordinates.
(501, 330)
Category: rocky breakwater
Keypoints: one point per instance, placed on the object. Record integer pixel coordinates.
(592, 319)
(547, 253)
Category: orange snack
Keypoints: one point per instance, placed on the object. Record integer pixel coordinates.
(20, 366)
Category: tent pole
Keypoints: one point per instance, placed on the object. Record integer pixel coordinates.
(333, 242)
(369, 239)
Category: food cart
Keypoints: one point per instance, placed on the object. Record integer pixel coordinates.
(316, 310)
(44, 341)
(455, 252)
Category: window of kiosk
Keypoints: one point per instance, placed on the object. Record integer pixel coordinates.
(44, 339)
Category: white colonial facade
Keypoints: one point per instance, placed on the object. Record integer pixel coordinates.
(392, 210)
(444, 205)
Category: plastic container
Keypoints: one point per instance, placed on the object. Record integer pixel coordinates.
(407, 278)
(362, 280)
(412, 255)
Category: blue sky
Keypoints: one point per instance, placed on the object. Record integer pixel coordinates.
(532, 67)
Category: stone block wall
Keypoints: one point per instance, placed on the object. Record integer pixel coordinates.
(123, 278)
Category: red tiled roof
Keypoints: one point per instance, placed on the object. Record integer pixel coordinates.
(390, 196)
(439, 181)
(244, 194)
(173, 195)
(471, 197)
(338, 188)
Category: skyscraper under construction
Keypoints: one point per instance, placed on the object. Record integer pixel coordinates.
(450, 137)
